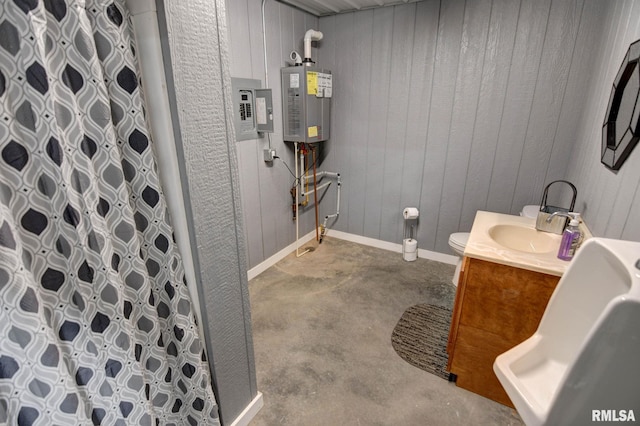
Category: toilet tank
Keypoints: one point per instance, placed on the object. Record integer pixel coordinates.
(530, 211)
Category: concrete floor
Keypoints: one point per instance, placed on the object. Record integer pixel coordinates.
(322, 328)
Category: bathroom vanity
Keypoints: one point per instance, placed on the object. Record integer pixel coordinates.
(496, 308)
(508, 275)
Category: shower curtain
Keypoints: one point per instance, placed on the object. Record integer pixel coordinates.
(96, 325)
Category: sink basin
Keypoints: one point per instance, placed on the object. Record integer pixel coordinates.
(523, 239)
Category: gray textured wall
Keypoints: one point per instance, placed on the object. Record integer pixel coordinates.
(451, 106)
(610, 201)
(196, 45)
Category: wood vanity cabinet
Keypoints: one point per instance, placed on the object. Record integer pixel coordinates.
(496, 308)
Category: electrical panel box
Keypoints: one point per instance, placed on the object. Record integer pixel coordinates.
(252, 108)
(306, 104)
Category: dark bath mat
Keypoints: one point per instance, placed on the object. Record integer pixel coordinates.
(420, 338)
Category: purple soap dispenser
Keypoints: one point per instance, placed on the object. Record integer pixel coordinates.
(571, 238)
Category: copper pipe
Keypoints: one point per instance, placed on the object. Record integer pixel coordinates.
(315, 190)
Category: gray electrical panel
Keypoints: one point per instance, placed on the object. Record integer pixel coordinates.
(306, 104)
(252, 109)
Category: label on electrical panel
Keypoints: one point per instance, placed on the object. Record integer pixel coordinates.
(261, 110)
(294, 81)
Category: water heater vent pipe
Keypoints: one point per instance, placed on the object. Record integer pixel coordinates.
(309, 36)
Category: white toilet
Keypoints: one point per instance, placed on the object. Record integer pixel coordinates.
(458, 240)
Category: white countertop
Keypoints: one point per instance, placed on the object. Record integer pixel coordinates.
(482, 246)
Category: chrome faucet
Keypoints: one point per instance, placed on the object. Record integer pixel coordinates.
(554, 214)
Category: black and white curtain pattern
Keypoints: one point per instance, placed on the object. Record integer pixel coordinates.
(96, 326)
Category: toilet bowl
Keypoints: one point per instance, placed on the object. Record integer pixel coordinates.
(458, 240)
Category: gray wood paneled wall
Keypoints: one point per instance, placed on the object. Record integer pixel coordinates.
(450, 106)
(610, 201)
(453, 107)
(265, 188)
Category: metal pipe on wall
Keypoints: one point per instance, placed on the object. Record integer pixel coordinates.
(304, 174)
(315, 191)
(264, 49)
(296, 203)
(264, 46)
(144, 17)
(322, 174)
(318, 188)
(323, 228)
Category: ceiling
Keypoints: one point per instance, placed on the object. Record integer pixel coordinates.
(332, 7)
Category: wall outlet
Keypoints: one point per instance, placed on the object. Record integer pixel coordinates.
(269, 153)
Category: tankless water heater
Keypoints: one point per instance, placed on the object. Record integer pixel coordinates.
(306, 103)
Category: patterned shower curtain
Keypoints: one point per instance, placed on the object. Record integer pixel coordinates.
(96, 326)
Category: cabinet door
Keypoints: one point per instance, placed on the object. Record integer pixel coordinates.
(504, 300)
(496, 308)
(475, 352)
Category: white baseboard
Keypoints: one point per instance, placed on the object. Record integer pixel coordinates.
(250, 411)
(385, 245)
(438, 257)
(372, 242)
(397, 248)
(269, 262)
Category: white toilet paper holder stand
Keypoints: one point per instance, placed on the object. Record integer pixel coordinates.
(410, 228)
(410, 215)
